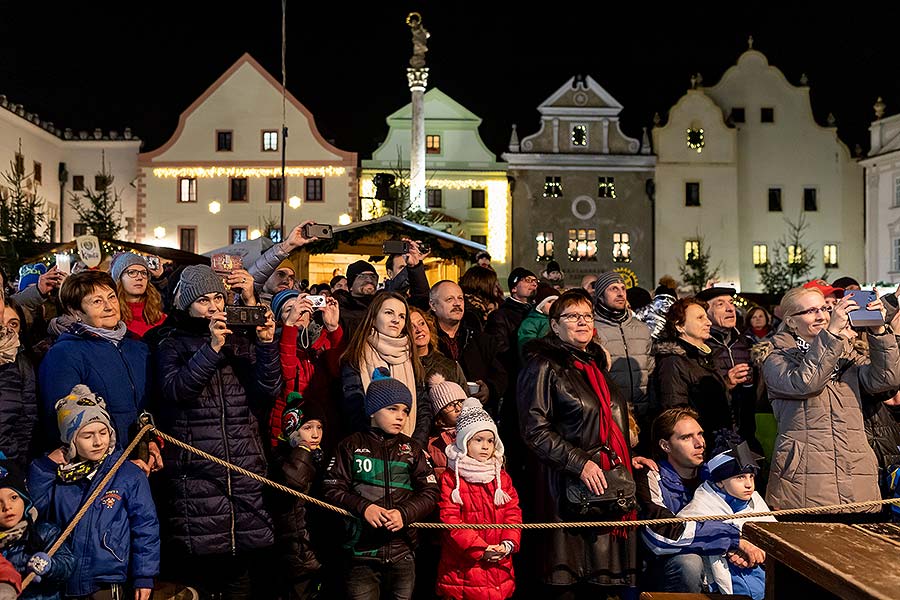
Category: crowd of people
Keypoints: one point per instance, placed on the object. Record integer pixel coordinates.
(403, 402)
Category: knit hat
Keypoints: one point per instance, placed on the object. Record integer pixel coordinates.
(443, 392)
(280, 299)
(385, 391)
(516, 275)
(473, 419)
(29, 274)
(297, 413)
(604, 280)
(358, 268)
(77, 410)
(121, 261)
(545, 294)
(734, 461)
(638, 297)
(12, 477)
(196, 281)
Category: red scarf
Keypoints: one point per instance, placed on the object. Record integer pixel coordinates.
(610, 434)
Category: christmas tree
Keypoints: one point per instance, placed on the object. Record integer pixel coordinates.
(100, 209)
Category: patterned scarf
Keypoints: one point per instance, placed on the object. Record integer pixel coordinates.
(75, 471)
(393, 353)
(9, 345)
(804, 346)
(15, 533)
(604, 312)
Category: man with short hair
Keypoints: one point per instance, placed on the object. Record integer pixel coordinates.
(675, 551)
(272, 272)
(628, 342)
(406, 275)
(362, 280)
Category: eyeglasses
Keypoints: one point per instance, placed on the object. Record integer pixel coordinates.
(813, 311)
(363, 277)
(576, 317)
(529, 279)
(137, 273)
(454, 405)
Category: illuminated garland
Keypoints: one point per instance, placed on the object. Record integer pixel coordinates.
(695, 144)
(258, 172)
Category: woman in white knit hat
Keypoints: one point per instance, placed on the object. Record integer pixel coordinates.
(476, 489)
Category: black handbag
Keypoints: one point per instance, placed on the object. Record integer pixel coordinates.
(617, 499)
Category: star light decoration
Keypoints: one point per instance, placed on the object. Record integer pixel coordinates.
(695, 139)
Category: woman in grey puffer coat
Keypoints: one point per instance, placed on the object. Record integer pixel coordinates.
(815, 384)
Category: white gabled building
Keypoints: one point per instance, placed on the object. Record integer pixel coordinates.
(217, 179)
(60, 163)
(737, 159)
(882, 167)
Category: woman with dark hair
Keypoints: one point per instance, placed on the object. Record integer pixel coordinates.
(18, 402)
(426, 344)
(482, 292)
(686, 372)
(759, 325)
(568, 414)
(140, 303)
(384, 339)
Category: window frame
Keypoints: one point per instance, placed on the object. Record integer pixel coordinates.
(622, 248)
(699, 201)
(895, 254)
(181, 190)
(896, 203)
(230, 133)
(233, 228)
(542, 241)
(269, 181)
(479, 239)
(182, 228)
(763, 114)
(37, 172)
(555, 185)
(262, 140)
(742, 113)
(780, 194)
(308, 197)
(432, 149)
(694, 246)
(815, 199)
(606, 187)
(826, 250)
(231, 197)
(590, 243)
(483, 193)
(586, 135)
(760, 255)
(77, 183)
(430, 193)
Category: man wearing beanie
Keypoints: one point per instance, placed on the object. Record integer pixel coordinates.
(383, 547)
(628, 342)
(362, 281)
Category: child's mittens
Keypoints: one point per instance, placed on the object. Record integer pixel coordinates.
(39, 564)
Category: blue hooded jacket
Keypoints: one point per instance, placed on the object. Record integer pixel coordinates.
(52, 584)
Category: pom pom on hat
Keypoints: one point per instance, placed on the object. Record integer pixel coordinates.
(443, 392)
(385, 391)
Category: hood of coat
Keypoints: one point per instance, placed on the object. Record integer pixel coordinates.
(678, 348)
(553, 350)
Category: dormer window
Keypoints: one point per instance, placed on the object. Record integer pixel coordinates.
(579, 136)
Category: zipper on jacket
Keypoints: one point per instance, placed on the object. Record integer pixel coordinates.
(628, 362)
(227, 459)
(387, 490)
(130, 376)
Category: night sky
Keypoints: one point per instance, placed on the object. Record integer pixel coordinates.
(111, 65)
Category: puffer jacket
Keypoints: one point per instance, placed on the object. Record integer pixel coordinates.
(18, 409)
(629, 346)
(821, 454)
(654, 314)
(263, 267)
(117, 541)
(297, 468)
(561, 428)
(461, 573)
(535, 326)
(216, 402)
(392, 471)
(39, 539)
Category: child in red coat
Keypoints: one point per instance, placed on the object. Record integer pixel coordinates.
(447, 398)
(477, 564)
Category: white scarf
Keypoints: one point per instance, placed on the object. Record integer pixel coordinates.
(393, 354)
(475, 471)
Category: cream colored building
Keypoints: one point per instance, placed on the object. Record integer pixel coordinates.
(882, 167)
(217, 179)
(738, 158)
(60, 162)
(464, 180)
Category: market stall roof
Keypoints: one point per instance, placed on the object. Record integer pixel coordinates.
(366, 237)
(181, 257)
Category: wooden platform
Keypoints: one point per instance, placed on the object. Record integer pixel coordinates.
(829, 560)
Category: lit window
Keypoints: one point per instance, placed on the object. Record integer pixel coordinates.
(275, 234)
(810, 202)
(691, 249)
(187, 189)
(238, 234)
(795, 255)
(606, 187)
(432, 144)
(760, 255)
(830, 255)
(582, 244)
(270, 141)
(553, 187)
(544, 240)
(621, 247)
(579, 135)
(434, 198)
(692, 193)
(774, 199)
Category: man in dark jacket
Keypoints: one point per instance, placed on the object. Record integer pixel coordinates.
(362, 280)
(731, 353)
(406, 275)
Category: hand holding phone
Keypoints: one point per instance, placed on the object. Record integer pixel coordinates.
(864, 316)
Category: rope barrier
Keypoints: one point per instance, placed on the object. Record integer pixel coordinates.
(87, 504)
(561, 525)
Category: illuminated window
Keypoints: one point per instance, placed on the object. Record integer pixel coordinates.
(830, 255)
(582, 244)
(760, 255)
(579, 135)
(691, 249)
(621, 247)
(270, 141)
(187, 189)
(795, 254)
(275, 234)
(553, 187)
(774, 199)
(432, 144)
(434, 198)
(237, 234)
(692, 193)
(544, 240)
(606, 187)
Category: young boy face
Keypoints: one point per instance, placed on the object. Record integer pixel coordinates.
(92, 441)
(12, 508)
(740, 486)
(481, 446)
(391, 419)
(310, 434)
(449, 415)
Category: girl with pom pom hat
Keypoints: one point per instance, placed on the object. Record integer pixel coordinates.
(476, 489)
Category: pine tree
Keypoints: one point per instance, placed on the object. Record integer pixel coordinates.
(401, 203)
(21, 209)
(102, 211)
(791, 262)
(695, 269)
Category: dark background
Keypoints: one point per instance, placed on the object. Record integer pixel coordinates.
(111, 65)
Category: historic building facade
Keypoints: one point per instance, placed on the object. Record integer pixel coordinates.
(882, 167)
(582, 189)
(738, 159)
(217, 180)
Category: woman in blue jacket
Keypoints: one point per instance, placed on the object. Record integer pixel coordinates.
(217, 387)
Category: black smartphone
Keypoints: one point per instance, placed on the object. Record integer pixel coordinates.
(862, 317)
(245, 316)
(492, 554)
(395, 247)
(323, 232)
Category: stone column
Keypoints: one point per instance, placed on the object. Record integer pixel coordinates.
(418, 81)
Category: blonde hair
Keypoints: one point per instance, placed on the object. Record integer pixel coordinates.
(790, 303)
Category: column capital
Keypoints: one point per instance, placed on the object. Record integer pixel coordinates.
(417, 78)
